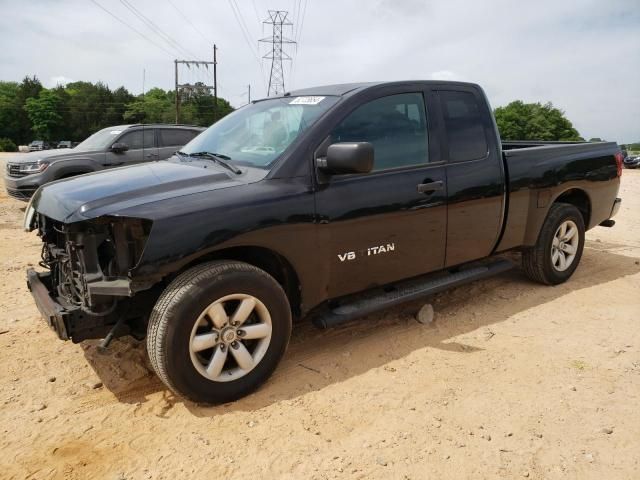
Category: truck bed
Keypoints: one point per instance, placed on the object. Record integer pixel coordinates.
(539, 172)
(517, 144)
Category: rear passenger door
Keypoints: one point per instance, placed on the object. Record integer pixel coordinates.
(173, 139)
(389, 224)
(475, 177)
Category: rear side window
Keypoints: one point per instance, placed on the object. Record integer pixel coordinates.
(464, 126)
(175, 137)
(134, 139)
(396, 126)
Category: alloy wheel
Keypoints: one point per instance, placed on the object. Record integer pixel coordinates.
(230, 337)
(564, 245)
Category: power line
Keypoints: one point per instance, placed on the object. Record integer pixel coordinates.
(155, 29)
(189, 21)
(246, 35)
(243, 26)
(131, 28)
(304, 13)
(296, 16)
(297, 36)
(241, 17)
(255, 10)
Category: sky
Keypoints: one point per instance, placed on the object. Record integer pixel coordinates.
(581, 55)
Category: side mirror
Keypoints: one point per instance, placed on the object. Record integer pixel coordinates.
(347, 157)
(119, 147)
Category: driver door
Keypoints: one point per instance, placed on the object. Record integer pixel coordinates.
(141, 145)
(388, 224)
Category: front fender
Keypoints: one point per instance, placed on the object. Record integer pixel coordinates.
(75, 166)
(277, 215)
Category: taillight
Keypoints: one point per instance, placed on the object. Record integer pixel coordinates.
(619, 162)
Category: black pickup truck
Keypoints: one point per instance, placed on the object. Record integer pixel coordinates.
(328, 203)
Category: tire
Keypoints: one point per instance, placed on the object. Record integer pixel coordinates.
(197, 310)
(542, 262)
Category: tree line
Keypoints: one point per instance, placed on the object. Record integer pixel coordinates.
(538, 121)
(534, 121)
(29, 111)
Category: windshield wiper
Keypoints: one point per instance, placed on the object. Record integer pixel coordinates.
(220, 159)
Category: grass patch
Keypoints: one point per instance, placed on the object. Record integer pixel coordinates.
(579, 364)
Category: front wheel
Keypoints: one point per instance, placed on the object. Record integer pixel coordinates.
(218, 331)
(558, 251)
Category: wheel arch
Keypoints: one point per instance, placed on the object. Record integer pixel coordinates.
(272, 262)
(578, 198)
(73, 170)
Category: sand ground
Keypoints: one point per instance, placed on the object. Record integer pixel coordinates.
(512, 380)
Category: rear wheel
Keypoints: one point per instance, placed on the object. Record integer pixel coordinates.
(558, 251)
(218, 331)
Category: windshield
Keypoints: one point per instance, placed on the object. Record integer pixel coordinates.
(100, 140)
(257, 134)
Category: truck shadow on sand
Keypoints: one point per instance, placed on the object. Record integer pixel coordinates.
(316, 359)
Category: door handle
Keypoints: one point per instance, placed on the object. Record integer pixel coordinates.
(151, 155)
(430, 187)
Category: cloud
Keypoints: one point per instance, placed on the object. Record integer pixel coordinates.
(444, 75)
(579, 54)
(59, 80)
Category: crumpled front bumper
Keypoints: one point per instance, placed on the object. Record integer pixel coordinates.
(70, 321)
(52, 312)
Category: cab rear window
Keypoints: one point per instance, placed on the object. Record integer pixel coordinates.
(464, 126)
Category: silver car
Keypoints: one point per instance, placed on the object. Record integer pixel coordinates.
(110, 147)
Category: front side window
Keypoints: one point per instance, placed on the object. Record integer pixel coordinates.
(257, 134)
(396, 126)
(464, 126)
(99, 140)
(134, 140)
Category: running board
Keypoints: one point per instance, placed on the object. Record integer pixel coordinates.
(405, 291)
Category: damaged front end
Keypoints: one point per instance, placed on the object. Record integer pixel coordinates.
(87, 288)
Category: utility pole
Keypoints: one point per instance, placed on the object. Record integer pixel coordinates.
(177, 95)
(249, 92)
(215, 84)
(198, 87)
(278, 20)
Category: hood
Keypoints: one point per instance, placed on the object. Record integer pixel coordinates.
(49, 155)
(111, 191)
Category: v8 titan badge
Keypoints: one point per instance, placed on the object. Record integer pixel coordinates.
(368, 252)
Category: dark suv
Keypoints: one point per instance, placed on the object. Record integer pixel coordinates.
(39, 145)
(111, 147)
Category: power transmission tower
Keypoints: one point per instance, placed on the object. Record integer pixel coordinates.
(198, 87)
(278, 20)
